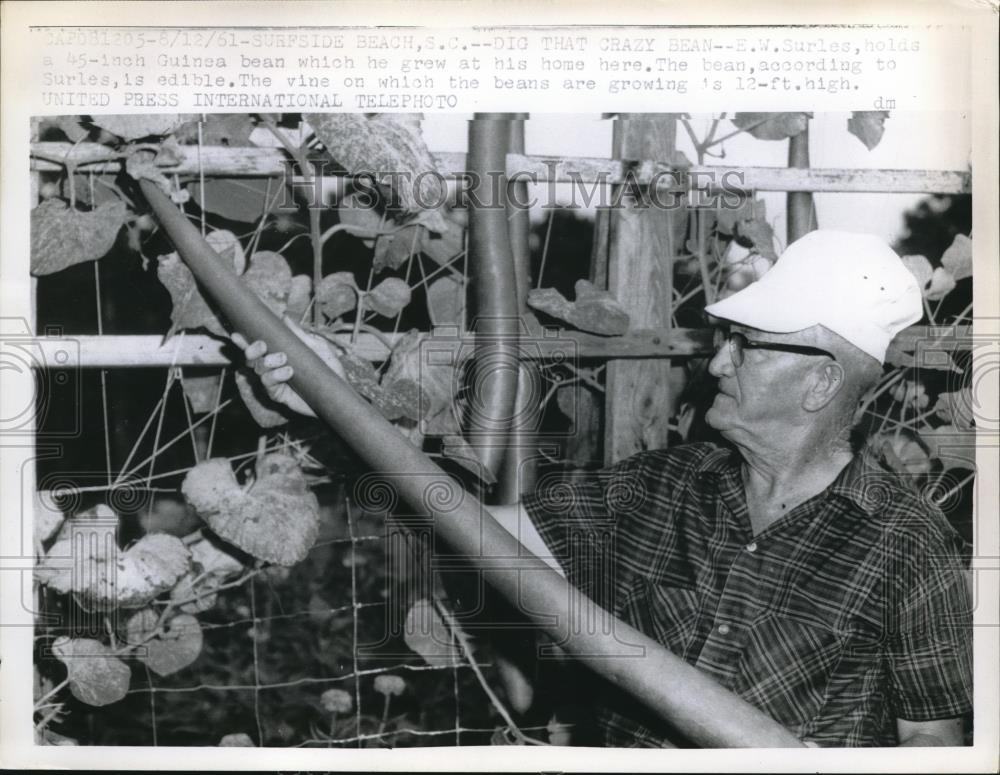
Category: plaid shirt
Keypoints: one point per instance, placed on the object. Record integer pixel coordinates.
(849, 612)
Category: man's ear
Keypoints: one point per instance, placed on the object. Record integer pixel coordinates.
(825, 383)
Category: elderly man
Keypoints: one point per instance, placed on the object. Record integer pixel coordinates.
(792, 568)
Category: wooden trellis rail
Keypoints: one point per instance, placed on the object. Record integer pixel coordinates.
(223, 161)
(200, 350)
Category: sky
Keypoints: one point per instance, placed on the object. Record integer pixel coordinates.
(935, 141)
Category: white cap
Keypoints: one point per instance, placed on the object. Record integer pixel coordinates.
(853, 284)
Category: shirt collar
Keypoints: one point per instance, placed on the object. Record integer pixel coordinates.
(861, 481)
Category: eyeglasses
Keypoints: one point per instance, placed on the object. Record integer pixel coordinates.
(738, 343)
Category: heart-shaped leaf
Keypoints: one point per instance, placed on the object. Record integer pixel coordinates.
(435, 376)
(446, 300)
(394, 250)
(276, 519)
(336, 294)
(772, 126)
(173, 648)
(595, 310)
(392, 146)
(868, 126)
(96, 676)
(61, 237)
(389, 297)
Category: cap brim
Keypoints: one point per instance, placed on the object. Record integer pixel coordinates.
(755, 306)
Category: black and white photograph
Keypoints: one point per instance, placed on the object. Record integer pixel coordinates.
(373, 425)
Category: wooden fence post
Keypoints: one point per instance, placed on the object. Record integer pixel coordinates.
(642, 246)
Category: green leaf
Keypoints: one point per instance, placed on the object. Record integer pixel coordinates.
(387, 143)
(389, 297)
(426, 633)
(772, 126)
(236, 199)
(336, 294)
(445, 300)
(955, 448)
(868, 126)
(96, 676)
(957, 259)
(177, 646)
(276, 519)
(594, 310)
(61, 237)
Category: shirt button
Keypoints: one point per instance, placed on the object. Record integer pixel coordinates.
(723, 629)
(752, 547)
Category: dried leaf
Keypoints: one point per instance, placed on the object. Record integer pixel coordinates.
(276, 519)
(135, 126)
(389, 297)
(595, 310)
(95, 675)
(265, 412)
(772, 126)
(61, 237)
(336, 294)
(957, 259)
(426, 633)
(386, 144)
(868, 126)
(174, 648)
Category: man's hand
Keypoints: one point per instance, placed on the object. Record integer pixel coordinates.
(275, 372)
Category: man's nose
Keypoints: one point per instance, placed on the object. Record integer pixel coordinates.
(722, 363)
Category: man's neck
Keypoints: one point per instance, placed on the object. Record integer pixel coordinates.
(778, 479)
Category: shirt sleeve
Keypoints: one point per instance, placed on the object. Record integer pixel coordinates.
(577, 514)
(930, 653)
